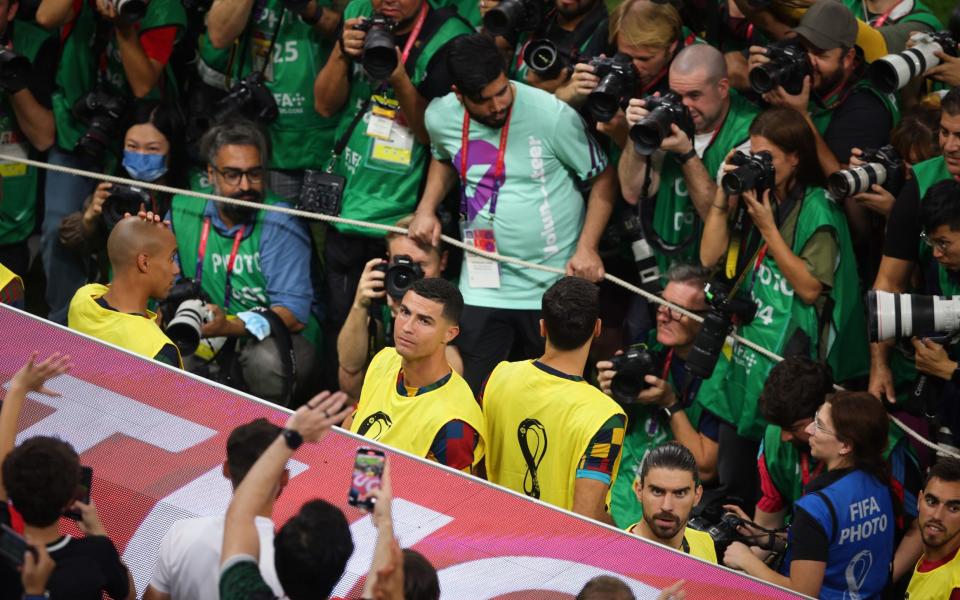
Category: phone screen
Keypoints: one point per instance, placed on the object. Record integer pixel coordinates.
(12, 546)
(367, 470)
(83, 492)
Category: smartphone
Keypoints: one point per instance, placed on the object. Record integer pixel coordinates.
(82, 494)
(13, 545)
(367, 471)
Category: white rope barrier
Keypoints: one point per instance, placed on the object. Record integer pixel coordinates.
(449, 240)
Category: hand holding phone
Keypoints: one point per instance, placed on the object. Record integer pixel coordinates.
(367, 474)
(13, 546)
(82, 494)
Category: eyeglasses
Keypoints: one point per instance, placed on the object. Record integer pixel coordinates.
(676, 315)
(941, 245)
(820, 427)
(233, 176)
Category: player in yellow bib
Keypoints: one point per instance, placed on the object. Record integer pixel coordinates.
(411, 399)
(551, 435)
(142, 258)
(937, 574)
(11, 288)
(668, 487)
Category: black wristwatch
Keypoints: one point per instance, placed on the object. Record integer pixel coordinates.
(683, 158)
(293, 438)
(674, 408)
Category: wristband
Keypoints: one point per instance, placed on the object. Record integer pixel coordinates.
(672, 409)
(293, 438)
(683, 158)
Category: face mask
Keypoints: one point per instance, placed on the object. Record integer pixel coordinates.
(144, 167)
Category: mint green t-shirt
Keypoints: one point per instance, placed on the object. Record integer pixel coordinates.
(540, 210)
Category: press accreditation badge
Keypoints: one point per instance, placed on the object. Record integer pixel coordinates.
(13, 143)
(397, 149)
(383, 113)
(481, 272)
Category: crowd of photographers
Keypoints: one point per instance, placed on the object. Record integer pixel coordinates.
(757, 164)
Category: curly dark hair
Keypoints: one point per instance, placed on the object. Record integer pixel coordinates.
(794, 390)
(41, 476)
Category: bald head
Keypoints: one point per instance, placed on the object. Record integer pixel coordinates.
(132, 237)
(701, 58)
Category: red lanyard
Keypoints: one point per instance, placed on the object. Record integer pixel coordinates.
(882, 18)
(805, 469)
(761, 254)
(666, 365)
(414, 33)
(497, 170)
(202, 253)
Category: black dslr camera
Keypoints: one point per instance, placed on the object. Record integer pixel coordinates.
(631, 367)
(787, 67)
(123, 199)
(103, 114)
(883, 166)
(544, 58)
(379, 54)
(184, 313)
(14, 71)
(509, 18)
(321, 192)
(248, 98)
(130, 11)
(717, 324)
(400, 275)
(753, 172)
(618, 79)
(665, 110)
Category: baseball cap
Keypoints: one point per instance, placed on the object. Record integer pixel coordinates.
(828, 24)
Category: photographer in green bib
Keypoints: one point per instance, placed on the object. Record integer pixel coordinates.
(382, 148)
(675, 185)
(892, 372)
(782, 245)
(112, 52)
(26, 126)
(842, 108)
(251, 268)
(265, 55)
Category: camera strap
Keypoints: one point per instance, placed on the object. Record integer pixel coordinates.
(646, 208)
(202, 253)
(498, 170)
(288, 358)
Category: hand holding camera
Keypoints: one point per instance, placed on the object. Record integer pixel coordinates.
(219, 325)
(379, 55)
(351, 39)
(370, 288)
(667, 126)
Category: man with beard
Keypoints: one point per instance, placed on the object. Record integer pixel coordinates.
(668, 487)
(682, 173)
(519, 155)
(244, 259)
(841, 106)
(937, 574)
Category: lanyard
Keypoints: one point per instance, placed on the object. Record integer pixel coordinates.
(805, 469)
(497, 170)
(414, 33)
(879, 21)
(761, 253)
(202, 253)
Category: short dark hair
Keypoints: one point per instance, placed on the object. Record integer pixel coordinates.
(570, 310)
(950, 103)
(946, 469)
(41, 476)
(794, 390)
(239, 132)
(941, 206)
(420, 581)
(671, 455)
(245, 445)
(311, 551)
(605, 587)
(473, 62)
(916, 136)
(442, 292)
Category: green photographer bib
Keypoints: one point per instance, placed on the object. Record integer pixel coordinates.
(918, 12)
(77, 73)
(300, 137)
(822, 113)
(383, 183)
(248, 283)
(19, 203)
(675, 217)
(780, 314)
